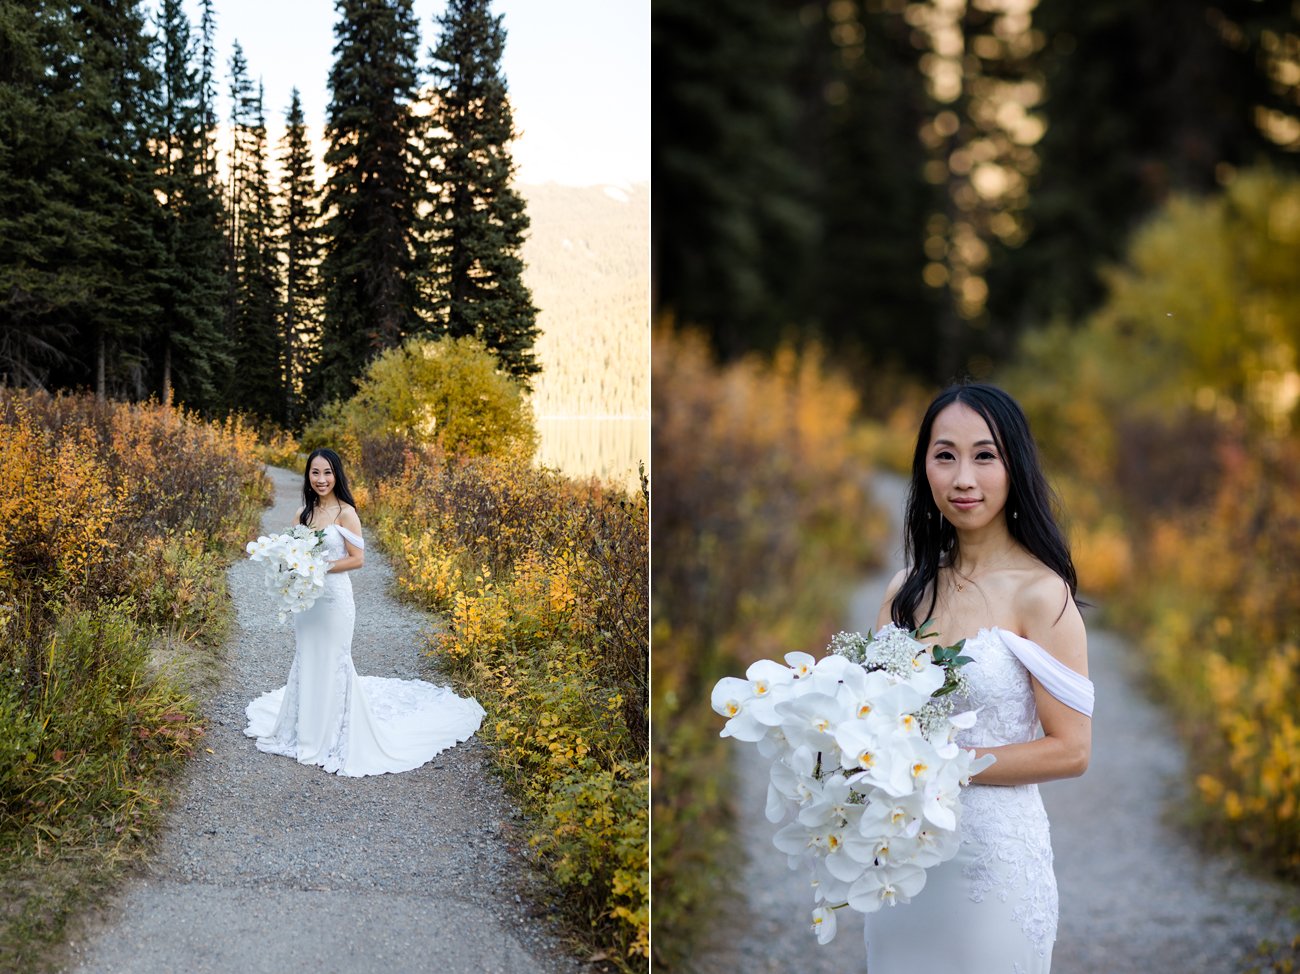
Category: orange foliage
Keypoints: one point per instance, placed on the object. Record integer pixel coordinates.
(543, 583)
(1216, 604)
(114, 519)
(763, 519)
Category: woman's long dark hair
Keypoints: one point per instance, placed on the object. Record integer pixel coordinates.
(309, 497)
(930, 541)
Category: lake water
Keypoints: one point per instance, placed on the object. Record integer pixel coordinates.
(604, 446)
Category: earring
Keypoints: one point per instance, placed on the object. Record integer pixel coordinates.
(1015, 515)
(929, 516)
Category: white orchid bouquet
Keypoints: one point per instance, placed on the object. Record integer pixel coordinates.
(864, 762)
(296, 565)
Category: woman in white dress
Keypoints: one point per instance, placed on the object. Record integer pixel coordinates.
(987, 563)
(326, 714)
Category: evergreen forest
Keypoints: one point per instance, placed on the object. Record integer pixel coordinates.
(918, 183)
(152, 248)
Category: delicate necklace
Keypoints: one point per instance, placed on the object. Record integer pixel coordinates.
(969, 578)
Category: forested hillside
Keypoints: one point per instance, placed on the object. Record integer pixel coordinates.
(587, 257)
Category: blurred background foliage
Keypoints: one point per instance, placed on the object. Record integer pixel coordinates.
(762, 521)
(1096, 207)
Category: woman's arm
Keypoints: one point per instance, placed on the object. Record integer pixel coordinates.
(355, 557)
(1066, 745)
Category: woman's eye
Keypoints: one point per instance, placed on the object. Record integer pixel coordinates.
(986, 455)
(945, 455)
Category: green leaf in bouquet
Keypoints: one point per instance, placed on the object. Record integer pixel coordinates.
(921, 631)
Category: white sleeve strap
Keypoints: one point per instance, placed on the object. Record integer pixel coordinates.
(1073, 689)
(356, 539)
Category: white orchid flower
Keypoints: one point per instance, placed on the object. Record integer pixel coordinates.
(734, 698)
(810, 720)
(791, 783)
(774, 743)
(885, 887)
(889, 815)
(801, 664)
(795, 841)
(259, 549)
(823, 924)
(826, 888)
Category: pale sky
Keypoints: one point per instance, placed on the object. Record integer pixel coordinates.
(578, 73)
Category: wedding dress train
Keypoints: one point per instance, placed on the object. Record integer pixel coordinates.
(353, 725)
(993, 908)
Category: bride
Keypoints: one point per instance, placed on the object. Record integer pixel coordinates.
(987, 562)
(326, 714)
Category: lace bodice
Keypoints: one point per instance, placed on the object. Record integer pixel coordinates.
(336, 582)
(334, 535)
(1002, 691)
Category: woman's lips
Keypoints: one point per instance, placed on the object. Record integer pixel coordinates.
(965, 503)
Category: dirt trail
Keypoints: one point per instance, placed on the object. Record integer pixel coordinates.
(270, 866)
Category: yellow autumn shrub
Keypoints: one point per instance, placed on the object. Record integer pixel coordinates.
(763, 519)
(116, 522)
(1175, 409)
(543, 583)
(450, 392)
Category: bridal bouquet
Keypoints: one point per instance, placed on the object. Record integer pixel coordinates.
(864, 762)
(296, 565)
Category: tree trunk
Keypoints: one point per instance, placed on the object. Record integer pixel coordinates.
(100, 356)
(167, 373)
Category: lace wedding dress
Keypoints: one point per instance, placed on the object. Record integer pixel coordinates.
(347, 724)
(992, 909)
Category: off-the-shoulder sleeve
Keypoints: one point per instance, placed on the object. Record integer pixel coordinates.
(1071, 688)
(356, 539)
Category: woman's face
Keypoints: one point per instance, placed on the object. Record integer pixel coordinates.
(965, 468)
(321, 476)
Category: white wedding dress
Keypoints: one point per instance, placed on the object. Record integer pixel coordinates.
(353, 725)
(992, 909)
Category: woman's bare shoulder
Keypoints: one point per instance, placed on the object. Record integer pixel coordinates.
(887, 605)
(895, 584)
(1040, 591)
(349, 519)
(1048, 613)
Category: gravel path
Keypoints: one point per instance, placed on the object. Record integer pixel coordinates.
(270, 866)
(1137, 895)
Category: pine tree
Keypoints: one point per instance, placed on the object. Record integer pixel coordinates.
(117, 182)
(373, 260)
(208, 90)
(734, 224)
(300, 246)
(863, 102)
(256, 384)
(42, 276)
(478, 221)
(1143, 99)
(193, 347)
